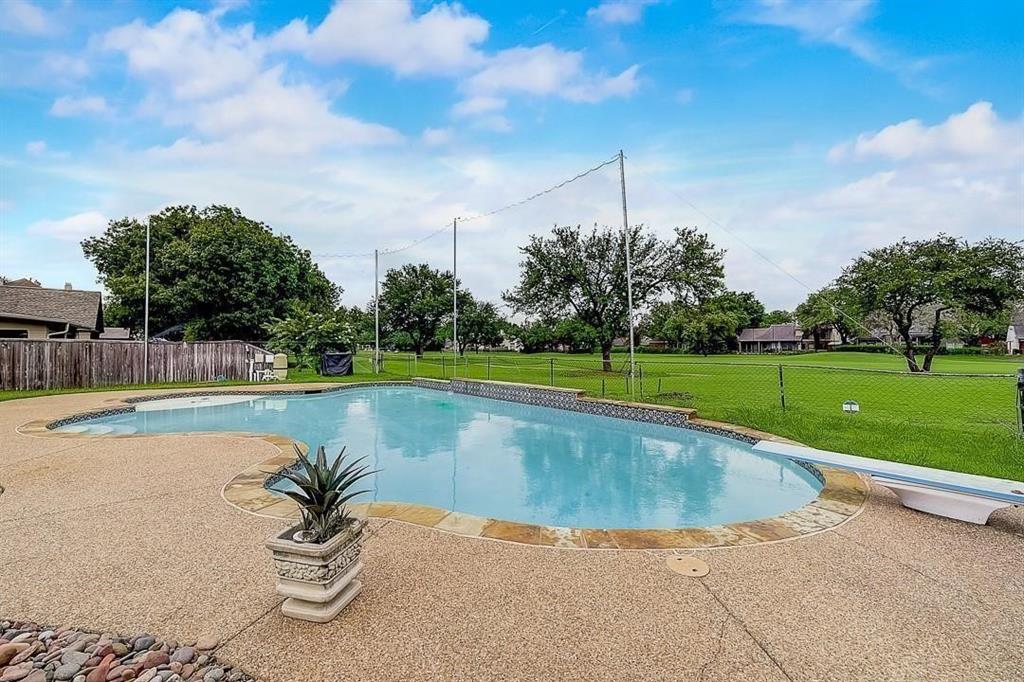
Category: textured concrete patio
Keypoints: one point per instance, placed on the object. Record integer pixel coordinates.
(132, 535)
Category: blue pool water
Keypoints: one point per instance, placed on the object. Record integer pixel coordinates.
(512, 461)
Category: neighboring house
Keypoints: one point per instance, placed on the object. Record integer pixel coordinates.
(653, 344)
(116, 334)
(918, 335)
(827, 337)
(1015, 334)
(773, 339)
(30, 311)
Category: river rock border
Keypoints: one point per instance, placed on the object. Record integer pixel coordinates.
(34, 653)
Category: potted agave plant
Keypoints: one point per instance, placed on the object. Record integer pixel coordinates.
(318, 561)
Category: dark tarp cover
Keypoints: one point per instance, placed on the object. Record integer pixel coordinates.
(336, 364)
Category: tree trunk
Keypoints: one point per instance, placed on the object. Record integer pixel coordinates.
(606, 356)
(817, 337)
(936, 340)
(908, 347)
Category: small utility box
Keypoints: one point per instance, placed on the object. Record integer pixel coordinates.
(281, 366)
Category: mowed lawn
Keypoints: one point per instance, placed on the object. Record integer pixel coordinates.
(947, 419)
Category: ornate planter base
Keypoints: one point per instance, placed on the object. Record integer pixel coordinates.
(319, 580)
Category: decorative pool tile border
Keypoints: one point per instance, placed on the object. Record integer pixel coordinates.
(841, 498)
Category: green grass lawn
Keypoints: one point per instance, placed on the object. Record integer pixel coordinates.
(963, 423)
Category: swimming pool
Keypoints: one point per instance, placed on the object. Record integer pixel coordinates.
(506, 460)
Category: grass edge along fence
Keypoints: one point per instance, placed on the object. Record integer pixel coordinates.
(962, 422)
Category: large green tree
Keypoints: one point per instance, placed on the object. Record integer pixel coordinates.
(307, 334)
(833, 306)
(709, 326)
(415, 304)
(214, 271)
(480, 324)
(936, 277)
(573, 273)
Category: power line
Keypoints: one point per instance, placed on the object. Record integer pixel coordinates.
(443, 228)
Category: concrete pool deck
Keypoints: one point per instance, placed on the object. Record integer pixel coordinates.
(131, 535)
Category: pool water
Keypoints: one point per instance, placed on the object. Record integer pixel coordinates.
(511, 461)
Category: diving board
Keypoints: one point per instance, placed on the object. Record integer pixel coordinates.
(966, 497)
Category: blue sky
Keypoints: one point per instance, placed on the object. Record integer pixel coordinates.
(806, 130)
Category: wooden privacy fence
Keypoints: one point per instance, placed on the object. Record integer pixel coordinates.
(26, 364)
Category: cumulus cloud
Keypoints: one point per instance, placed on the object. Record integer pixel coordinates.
(433, 137)
(544, 70)
(36, 148)
(620, 11)
(443, 40)
(216, 81)
(23, 17)
(73, 228)
(977, 133)
(68, 105)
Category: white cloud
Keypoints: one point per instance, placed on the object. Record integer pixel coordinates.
(66, 66)
(837, 23)
(442, 40)
(190, 53)
(215, 82)
(685, 95)
(21, 16)
(480, 104)
(73, 228)
(36, 148)
(620, 11)
(977, 133)
(77, 106)
(545, 70)
(433, 137)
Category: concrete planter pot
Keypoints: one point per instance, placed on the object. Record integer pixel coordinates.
(318, 579)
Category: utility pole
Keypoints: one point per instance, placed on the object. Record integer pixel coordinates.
(455, 291)
(629, 270)
(376, 312)
(145, 317)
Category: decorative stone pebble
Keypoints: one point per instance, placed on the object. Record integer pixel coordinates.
(66, 671)
(30, 653)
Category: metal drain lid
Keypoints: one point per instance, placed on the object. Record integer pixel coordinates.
(687, 565)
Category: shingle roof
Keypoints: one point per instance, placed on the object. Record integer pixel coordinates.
(83, 309)
(777, 332)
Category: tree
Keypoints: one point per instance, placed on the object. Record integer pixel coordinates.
(415, 302)
(708, 327)
(583, 275)
(936, 276)
(306, 334)
(776, 317)
(537, 336)
(480, 324)
(972, 328)
(361, 321)
(576, 335)
(833, 306)
(216, 272)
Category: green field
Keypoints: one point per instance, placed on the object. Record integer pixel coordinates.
(945, 419)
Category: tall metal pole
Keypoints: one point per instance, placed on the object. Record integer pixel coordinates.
(455, 291)
(629, 271)
(376, 312)
(145, 317)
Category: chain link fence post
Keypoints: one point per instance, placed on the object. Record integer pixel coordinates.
(782, 389)
(640, 369)
(1020, 402)
(443, 374)
(551, 370)
(488, 367)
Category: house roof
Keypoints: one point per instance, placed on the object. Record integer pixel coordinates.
(83, 309)
(787, 331)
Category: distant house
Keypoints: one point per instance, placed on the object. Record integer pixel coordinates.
(653, 344)
(918, 335)
(773, 339)
(116, 333)
(30, 311)
(1015, 334)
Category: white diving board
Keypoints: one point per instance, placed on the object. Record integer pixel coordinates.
(966, 497)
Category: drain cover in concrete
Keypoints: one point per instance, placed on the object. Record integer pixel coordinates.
(688, 565)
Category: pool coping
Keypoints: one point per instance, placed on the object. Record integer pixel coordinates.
(841, 498)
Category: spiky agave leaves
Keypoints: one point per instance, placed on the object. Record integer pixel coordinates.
(323, 490)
